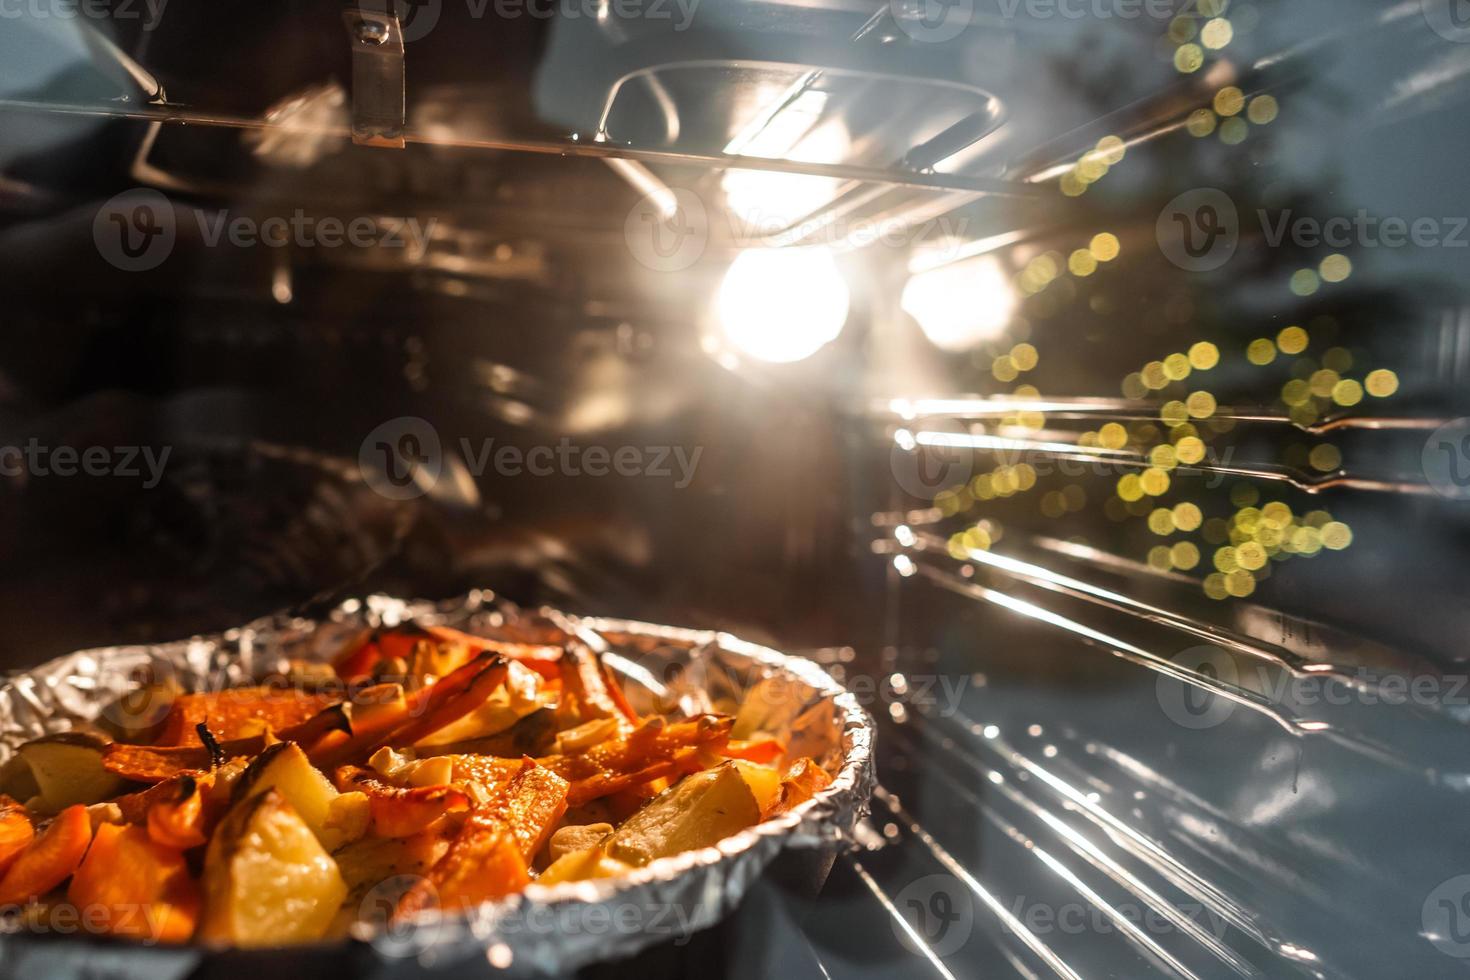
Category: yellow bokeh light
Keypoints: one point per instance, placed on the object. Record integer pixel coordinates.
(1201, 404)
(1182, 29)
(1081, 263)
(1190, 449)
(1071, 185)
(1112, 436)
(1111, 149)
(1224, 560)
(1295, 392)
(1154, 481)
(1130, 487)
(1381, 383)
(1261, 351)
(1024, 356)
(1335, 268)
(1263, 110)
(1215, 586)
(1160, 557)
(1184, 555)
(1347, 392)
(1104, 246)
(1161, 521)
(1004, 368)
(1163, 457)
(1250, 555)
(1204, 355)
(1188, 58)
(1233, 131)
(1229, 101)
(1187, 516)
(1133, 386)
(1322, 382)
(1173, 412)
(1240, 583)
(1325, 458)
(1216, 33)
(1176, 367)
(1304, 282)
(1153, 375)
(1292, 340)
(1336, 536)
(1201, 122)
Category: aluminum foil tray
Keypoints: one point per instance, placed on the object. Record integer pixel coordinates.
(545, 930)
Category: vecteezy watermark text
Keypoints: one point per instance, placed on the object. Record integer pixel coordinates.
(148, 11)
(34, 459)
(403, 457)
(1198, 698)
(137, 230)
(1200, 230)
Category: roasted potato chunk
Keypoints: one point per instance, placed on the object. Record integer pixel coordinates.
(700, 811)
(68, 770)
(267, 879)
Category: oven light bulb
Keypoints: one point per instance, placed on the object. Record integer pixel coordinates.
(961, 305)
(782, 305)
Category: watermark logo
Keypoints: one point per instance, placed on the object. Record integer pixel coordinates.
(1446, 917)
(1198, 231)
(932, 21)
(939, 914)
(1450, 19)
(924, 470)
(416, 18)
(135, 230)
(398, 938)
(1446, 459)
(148, 11)
(401, 458)
(668, 236)
(1190, 705)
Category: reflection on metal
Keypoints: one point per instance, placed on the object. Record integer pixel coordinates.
(1261, 703)
(568, 148)
(1012, 924)
(378, 95)
(1121, 410)
(1274, 472)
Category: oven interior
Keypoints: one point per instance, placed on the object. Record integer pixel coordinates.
(1147, 557)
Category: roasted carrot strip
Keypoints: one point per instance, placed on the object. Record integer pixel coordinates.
(50, 859)
(179, 822)
(16, 831)
(456, 649)
(652, 751)
(763, 751)
(421, 714)
(398, 811)
(802, 781)
(239, 713)
(479, 867)
(358, 656)
(154, 764)
(583, 687)
(131, 885)
(489, 855)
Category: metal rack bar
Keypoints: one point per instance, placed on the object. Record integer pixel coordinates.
(564, 148)
(1122, 410)
(1364, 745)
(1305, 482)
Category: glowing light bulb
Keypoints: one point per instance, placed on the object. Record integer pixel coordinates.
(782, 305)
(961, 305)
